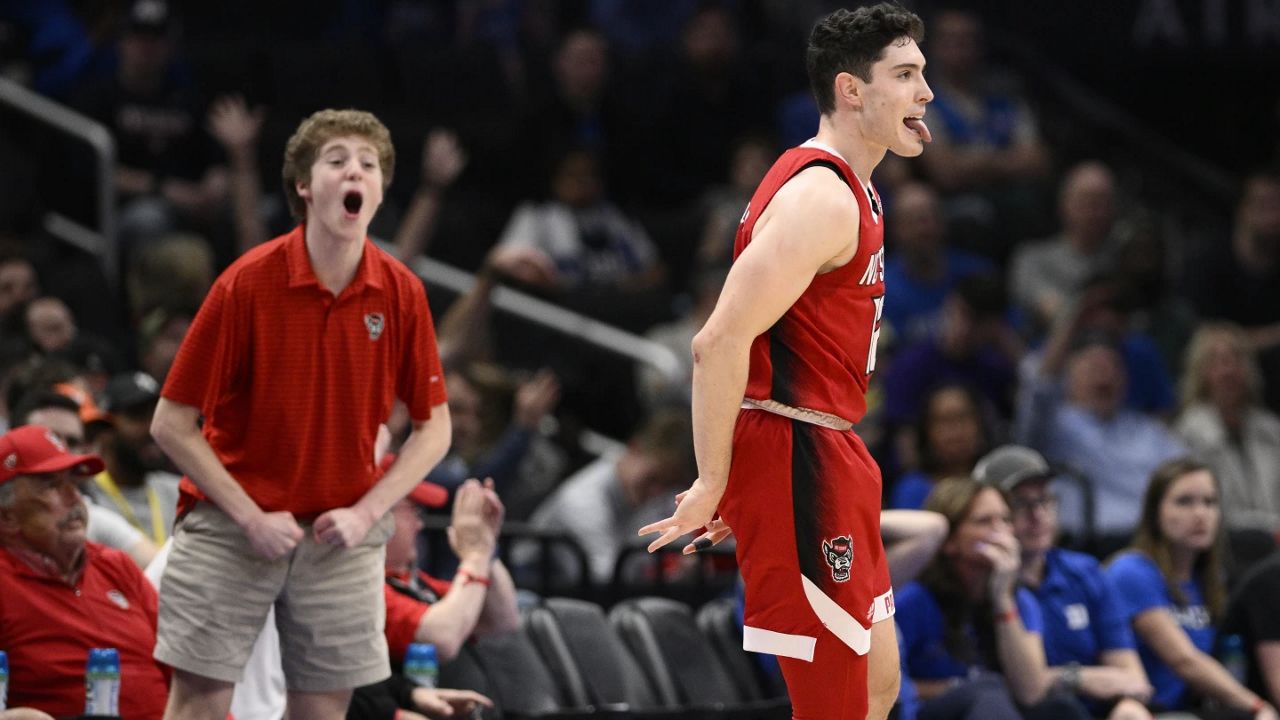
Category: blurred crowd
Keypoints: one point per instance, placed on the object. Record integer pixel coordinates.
(597, 155)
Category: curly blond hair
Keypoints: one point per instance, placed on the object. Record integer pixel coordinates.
(318, 129)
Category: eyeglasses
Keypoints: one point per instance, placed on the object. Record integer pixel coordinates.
(1026, 505)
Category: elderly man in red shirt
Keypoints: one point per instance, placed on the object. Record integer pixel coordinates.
(63, 595)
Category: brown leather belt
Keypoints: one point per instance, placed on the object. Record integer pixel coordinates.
(813, 417)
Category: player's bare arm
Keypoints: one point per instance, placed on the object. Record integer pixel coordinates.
(809, 227)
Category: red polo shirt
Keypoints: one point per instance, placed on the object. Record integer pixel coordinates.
(293, 381)
(48, 627)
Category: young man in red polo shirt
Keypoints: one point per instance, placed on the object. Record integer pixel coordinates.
(296, 356)
(60, 594)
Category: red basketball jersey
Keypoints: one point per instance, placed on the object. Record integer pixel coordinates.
(821, 352)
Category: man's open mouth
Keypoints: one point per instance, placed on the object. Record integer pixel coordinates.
(352, 201)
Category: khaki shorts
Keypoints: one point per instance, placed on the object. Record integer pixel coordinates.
(329, 602)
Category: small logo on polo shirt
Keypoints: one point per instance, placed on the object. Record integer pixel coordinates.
(1077, 616)
(118, 598)
(375, 323)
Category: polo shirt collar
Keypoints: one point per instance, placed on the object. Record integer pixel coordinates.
(34, 564)
(1054, 576)
(301, 274)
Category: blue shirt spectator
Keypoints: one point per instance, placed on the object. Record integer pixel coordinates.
(925, 654)
(1080, 423)
(1141, 587)
(910, 491)
(1081, 616)
(913, 305)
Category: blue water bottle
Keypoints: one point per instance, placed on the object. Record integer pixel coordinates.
(420, 665)
(102, 682)
(4, 680)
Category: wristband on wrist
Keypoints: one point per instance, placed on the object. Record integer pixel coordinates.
(1069, 679)
(1007, 616)
(1258, 704)
(467, 578)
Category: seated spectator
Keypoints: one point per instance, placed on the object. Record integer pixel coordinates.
(18, 283)
(921, 270)
(1046, 275)
(1226, 426)
(1252, 616)
(1243, 285)
(986, 154)
(971, 638)
(724, 204)
(1144, 273)
(1104, 309)
(168, 170)
(583, 249)
(604, 505)
(175, 270)
(952, 433)
(136, 482)
(49, 324)
(973, 345)
(496, 433)
(57, 412)
(1071, 409)
(1087, 640)
(1170, 585)
(64, 594)
(160, 334)
(480, 600)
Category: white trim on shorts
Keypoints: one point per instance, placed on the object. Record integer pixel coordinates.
(759, 640)
(835, 619)
(832, 616)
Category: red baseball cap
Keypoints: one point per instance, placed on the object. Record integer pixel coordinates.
(429, 494)
(426, 494)
(34, 450)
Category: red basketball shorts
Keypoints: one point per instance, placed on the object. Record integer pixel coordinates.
(804, 505)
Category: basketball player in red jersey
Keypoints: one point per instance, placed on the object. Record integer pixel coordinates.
(780, 377)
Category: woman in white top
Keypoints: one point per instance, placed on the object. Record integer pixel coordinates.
(1226, 426)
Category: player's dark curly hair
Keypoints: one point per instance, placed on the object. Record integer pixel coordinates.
(852, 41)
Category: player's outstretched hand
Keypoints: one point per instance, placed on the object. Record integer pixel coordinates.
(273, 534)
(344, 527)
(717, 531)
(694, 510)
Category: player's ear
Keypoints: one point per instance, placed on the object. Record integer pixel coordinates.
(848, 90)
(302, 187)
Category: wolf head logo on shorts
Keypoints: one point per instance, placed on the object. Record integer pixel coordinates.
(374, 323)
(839, 555)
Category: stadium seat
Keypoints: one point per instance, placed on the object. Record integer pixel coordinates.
(679, 662)
(520, 683)
(719, 624)
(584, 654)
